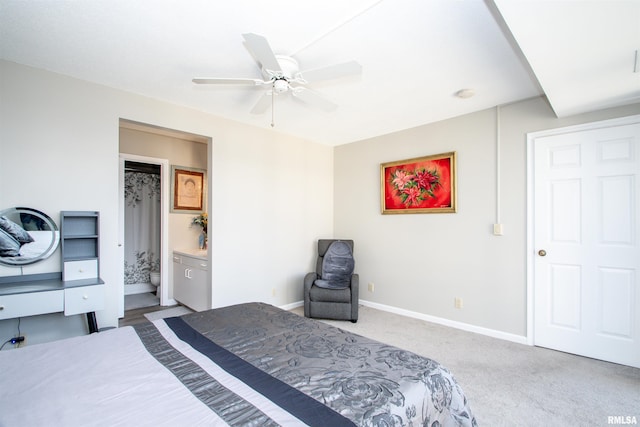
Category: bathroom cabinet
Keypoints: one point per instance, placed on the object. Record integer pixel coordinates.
(190, 283)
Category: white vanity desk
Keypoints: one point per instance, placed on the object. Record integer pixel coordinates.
(78, 289)
(34, 294)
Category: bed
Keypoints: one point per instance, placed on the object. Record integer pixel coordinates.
(244, 365)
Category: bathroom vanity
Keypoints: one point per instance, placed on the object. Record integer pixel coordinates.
(190, 283)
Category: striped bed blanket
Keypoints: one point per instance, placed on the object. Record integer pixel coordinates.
(244, 365)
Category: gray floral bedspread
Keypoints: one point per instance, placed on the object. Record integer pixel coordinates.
(368, 382)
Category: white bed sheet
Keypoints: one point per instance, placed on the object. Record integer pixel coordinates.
(105, 379)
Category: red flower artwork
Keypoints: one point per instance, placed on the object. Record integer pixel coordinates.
(423, 184)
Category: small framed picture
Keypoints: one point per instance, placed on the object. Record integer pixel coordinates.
(421, 185)
(187, 186)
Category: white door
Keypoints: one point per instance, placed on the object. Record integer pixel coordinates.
(586, 241)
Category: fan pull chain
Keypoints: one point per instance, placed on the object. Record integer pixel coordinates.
(273, 96)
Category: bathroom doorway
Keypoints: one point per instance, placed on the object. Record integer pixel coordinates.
(150, 144)
(142, 229)
(144, 181)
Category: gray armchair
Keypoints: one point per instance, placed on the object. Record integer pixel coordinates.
(334, 295)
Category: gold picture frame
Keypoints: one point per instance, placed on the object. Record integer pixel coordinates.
(419, 185)
(187, 188)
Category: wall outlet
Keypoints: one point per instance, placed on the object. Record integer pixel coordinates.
(457, 302)
(371, 287)
(497, 230)
(273, 292)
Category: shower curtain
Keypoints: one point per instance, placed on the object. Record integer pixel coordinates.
(142, 226)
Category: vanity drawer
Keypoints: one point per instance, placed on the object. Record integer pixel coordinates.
(83, 299)
(77, 270)
(195, 263)
(31, 304)
(190, 261)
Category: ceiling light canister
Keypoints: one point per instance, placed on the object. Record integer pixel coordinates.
(465, 93)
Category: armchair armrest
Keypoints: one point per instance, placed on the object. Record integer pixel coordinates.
(309, 278)
(355, 290)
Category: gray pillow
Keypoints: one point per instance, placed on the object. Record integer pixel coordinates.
(8, 245)
(337, 267)
(15, 230)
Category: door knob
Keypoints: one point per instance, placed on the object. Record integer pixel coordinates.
(542, 252)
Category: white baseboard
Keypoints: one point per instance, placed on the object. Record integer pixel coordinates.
(292, 305)
(519, 339)
(451, 323)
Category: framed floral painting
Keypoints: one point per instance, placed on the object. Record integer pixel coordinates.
(421, 185)
(187, 185)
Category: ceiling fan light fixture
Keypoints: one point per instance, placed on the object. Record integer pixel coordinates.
(280, 86)
(281, 74)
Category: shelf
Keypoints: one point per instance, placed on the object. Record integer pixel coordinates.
(81, 226)
(80, 240)
(81, 248)
(80, 258)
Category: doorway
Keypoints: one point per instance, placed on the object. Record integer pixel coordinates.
(144, 219)
(142, 230)
(584, 240)
(151, 144)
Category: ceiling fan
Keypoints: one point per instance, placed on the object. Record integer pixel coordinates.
(282, 75)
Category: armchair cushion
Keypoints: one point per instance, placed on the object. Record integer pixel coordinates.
(337, 267)
(319, 294)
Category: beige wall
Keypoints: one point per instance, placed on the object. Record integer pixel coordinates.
(421, 262)
(271, 195)
(178, 151)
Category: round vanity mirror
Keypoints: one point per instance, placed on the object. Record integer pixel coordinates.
(26, 236)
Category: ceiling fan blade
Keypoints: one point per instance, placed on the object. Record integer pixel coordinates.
(224, 81)
(262, 52)
(331, 72)
(263, 103)
(313, 99)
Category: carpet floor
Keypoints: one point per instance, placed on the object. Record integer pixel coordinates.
(510, 384)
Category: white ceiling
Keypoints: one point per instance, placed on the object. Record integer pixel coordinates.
(415, 55)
